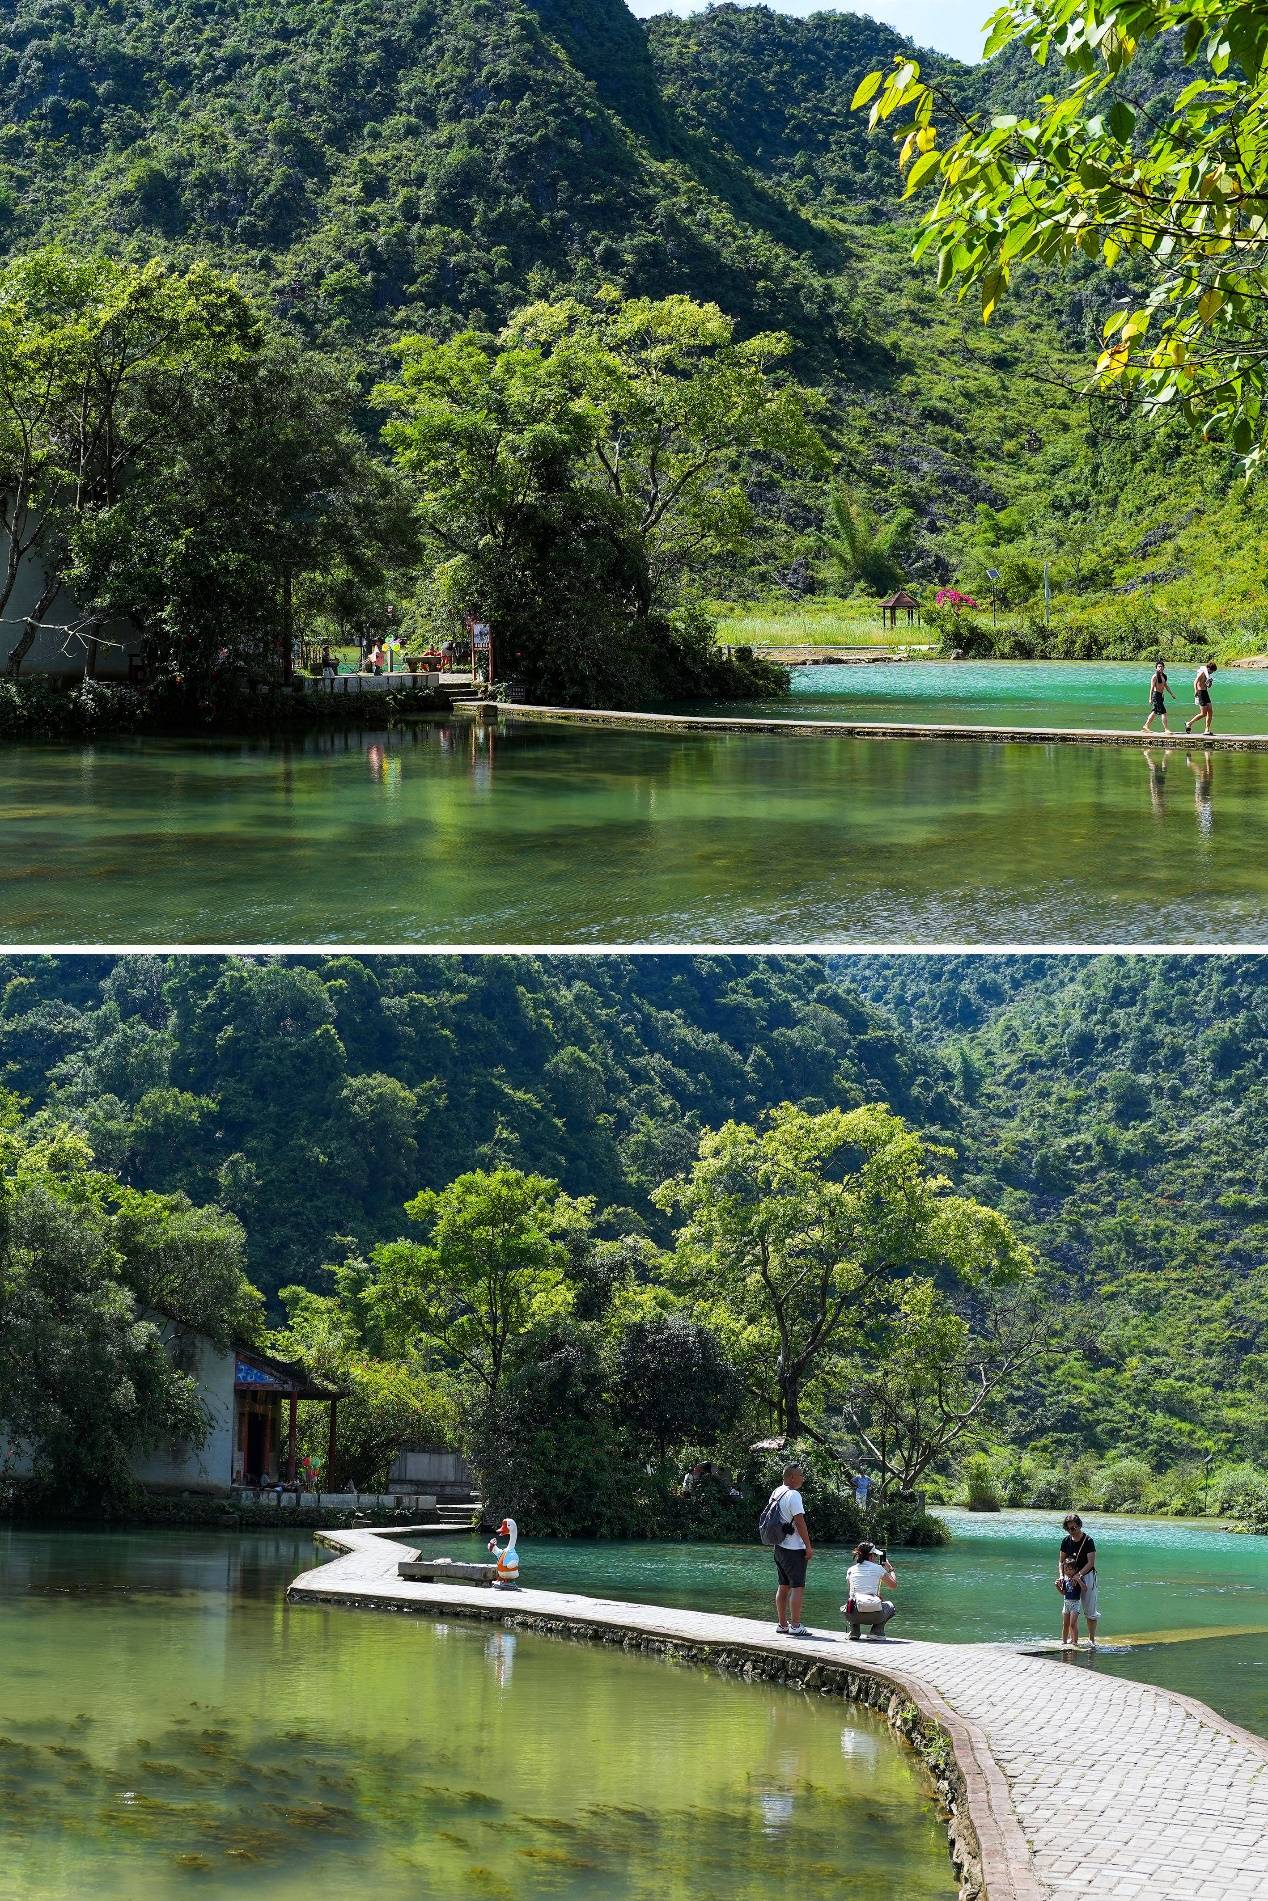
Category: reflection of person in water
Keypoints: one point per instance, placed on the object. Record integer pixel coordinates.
(1157, 783)
(1201, 770)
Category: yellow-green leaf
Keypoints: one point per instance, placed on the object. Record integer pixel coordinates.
(866, 89)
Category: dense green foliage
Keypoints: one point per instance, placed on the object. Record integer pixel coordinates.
(314, 1097)
(92, 1273)
(1112, 1110)
(373, 173)
(1112, 1107)
(178, 468)
(579, 480)
(1105, 166)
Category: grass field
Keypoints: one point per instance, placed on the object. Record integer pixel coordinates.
(822, 622)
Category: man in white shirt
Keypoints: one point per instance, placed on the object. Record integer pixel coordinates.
(863, 1580)
(792, 1554)
(1202, 696)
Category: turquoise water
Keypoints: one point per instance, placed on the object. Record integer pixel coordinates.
(1103, 693)
(170, 1727)
(531, 835)
(1167, 1581)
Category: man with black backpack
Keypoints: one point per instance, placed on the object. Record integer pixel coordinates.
(782, 1526)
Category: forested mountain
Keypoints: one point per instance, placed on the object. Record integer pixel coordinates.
(312, 1097)
(1114, 1109)
(385, 168)
(374, 171)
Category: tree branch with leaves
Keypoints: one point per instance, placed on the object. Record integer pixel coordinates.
(1170, 192)
(926, 1379)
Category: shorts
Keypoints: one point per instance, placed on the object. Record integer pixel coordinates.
(1159, 703)
(1090, 1606)
(1204, 700)
(791, 1566)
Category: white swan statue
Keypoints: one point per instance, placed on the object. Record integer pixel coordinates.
(508, 1558)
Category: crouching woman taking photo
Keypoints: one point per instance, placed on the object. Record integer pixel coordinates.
(864, 1604)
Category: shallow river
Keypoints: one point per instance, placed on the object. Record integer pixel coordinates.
(442, 834)
(169, 1727)
(1104, 693)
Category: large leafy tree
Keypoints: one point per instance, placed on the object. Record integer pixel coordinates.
(675, 407)
(672, 1381)
(922, 1388)
(265, 506)
(1165, 182)
(493, 1265)
(97, 360)
(91, 1276)
(571, 472)
(388, 1403)
(794, 1233)
(173, 461)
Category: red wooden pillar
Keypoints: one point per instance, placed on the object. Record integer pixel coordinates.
(291, 1449)
(330, 1449)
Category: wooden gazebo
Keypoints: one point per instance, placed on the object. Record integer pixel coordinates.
(898, 603)
(266, 1452)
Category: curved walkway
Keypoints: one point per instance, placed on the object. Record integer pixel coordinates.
(866, 729)
(1075, 1784)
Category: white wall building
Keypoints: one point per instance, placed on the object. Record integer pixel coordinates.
(59, 650)
(251, 1399)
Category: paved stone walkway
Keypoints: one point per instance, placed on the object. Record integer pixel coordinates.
(871, 729)
(1115, 1788)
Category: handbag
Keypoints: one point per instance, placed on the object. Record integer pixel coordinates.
(865, 1606)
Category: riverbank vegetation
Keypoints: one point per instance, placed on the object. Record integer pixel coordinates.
(296, 208)
(818, 620)
(1095, 1326)
(583, 1362)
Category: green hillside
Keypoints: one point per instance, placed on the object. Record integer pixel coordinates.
(372, 172)
(1114, 1109)
(1112, 1106)
(312, 1097)
(378, 169)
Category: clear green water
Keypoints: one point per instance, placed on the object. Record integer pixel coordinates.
(169, 1727)
(558, 836)
(1103, 693)
(1166, 1580)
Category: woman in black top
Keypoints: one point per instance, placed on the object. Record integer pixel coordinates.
(1080, 1548)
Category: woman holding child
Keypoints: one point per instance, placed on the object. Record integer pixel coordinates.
(1076, 1581)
